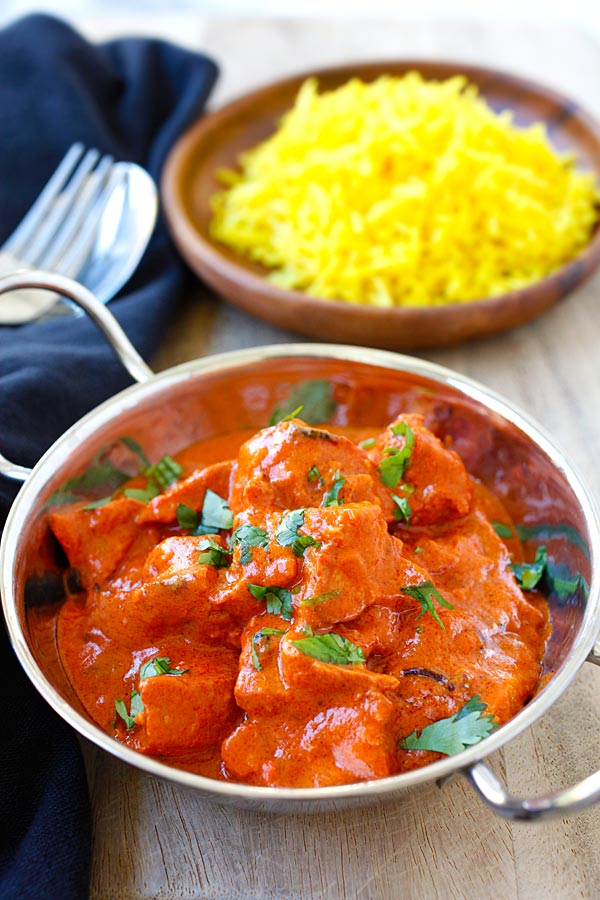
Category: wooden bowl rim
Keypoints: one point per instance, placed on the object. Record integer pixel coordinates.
(238, 270)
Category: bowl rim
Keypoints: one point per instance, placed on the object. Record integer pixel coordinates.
(236, 267)
(91, 424)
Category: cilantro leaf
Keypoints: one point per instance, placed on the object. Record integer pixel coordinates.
(564, 583)
(503, 530)
(278, 599)
(135, 707)
(426, 593)
(143, 495)
(135, 448)
(259, 636)
(102, 472)
(160, 665)
(367, 443)
(215, 512)
(403, 508)
(98, 503)
(332, 497)
(213, 554)
(291, 415)
(302, 542)
(215, 515)
(547, 532)
(455, 733)
(287, 533)
(528, 575)
(248, 536)
(331, 648)
(395, 462)
(314, 474)
(316, 399)
(320, 598)
(165, 472)
(186, 516)
(160, 476)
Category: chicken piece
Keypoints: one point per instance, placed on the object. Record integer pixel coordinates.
(432, 478)
(192, 710)
(97, 541)
(258, 554)
(179, 593)
(338, 745)
(293, 465)
(356, 563)
(189, 492)
(302, 710)
(259, 689)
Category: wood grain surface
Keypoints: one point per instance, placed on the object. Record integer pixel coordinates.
(155, 840)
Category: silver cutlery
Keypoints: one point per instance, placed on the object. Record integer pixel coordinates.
(92, 222)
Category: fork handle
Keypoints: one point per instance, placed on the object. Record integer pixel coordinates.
(99, 314)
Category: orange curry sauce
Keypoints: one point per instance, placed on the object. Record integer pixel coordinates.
(245, 697)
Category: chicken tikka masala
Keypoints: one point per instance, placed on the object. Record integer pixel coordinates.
(299, 607)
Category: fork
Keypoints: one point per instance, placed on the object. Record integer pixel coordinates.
(59, 230)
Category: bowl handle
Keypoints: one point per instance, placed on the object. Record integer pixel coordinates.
(105, 321)
(561, 803)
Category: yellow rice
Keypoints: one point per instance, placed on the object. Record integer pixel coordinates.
(404, 192)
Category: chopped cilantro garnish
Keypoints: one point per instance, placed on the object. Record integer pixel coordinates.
(258, 636)
(102, 472)
(315, 475)
(529, 574)
(215, 512)
(426, 593)
(455, 733)
(332, 497)
(213, 554)
(367, 443)
(396, 459)
(98, 503)
(546, 532)
(302, 542)
(160, 476)
(135, 448)
(403, 509)
(287, 533)
(278, 599)
(186, 516)
(321, 598)
(563, 583)
(248, 536)
(418, 550)
(160, 665)
(331, 648)
(165, 472)
(292, 415)
(314, 397)
(135, 707)
(215, 515)
(502, 530)
(143, 495)
(557, 578)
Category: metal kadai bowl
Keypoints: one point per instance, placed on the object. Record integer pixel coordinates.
(175, 408)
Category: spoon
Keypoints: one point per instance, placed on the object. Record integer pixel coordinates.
(112, 250)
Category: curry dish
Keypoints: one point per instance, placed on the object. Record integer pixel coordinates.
(300, 607)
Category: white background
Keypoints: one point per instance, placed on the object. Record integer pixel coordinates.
(144, 15)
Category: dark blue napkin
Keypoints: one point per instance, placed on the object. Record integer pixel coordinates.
(130, 98)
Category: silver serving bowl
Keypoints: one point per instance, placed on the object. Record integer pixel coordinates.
(168, 411)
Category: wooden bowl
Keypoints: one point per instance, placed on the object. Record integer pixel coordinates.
(214, 142)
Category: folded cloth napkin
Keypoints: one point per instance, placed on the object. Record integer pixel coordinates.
(130, 98)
